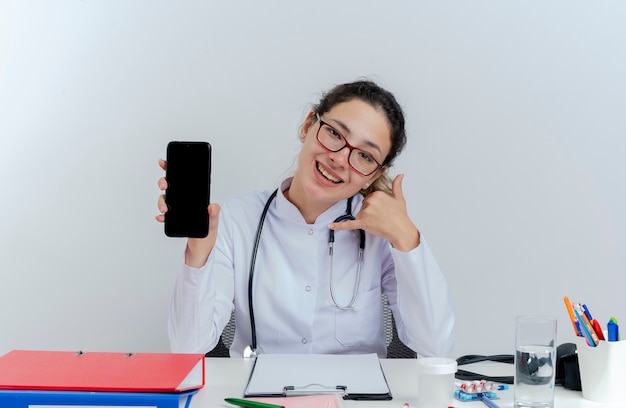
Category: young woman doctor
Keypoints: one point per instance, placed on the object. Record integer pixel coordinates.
(304, 268)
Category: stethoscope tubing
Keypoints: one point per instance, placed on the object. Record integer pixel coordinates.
(257, 240)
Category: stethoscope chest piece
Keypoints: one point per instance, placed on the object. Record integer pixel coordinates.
(249, 352)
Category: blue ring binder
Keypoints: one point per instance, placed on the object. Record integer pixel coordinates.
(25, 398)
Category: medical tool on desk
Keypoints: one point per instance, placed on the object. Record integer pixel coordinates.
(465, 396)
(472, 387)
(477, 390)
(251, 350)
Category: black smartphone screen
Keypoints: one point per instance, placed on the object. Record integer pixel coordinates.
(188, 174)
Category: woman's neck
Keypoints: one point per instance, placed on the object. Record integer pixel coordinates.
(309, 209)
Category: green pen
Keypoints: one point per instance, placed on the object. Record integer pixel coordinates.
(251, 404)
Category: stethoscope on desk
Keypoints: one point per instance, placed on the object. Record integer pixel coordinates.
(251, 350)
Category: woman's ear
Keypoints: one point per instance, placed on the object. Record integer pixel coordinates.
(306, 125)
(373, 185)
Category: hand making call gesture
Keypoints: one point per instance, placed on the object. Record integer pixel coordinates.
(386, 216)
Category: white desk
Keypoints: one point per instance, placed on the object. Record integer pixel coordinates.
(227, 377)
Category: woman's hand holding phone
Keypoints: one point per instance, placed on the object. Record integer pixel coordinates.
(198, 249)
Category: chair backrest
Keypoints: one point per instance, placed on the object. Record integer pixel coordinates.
(395, 347)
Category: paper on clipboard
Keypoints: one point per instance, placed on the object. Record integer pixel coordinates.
(353, 376)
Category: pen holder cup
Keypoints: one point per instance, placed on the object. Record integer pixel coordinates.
(602, 370)
(435, 382)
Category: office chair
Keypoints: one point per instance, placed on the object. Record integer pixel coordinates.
(395, 347)
(226, 339)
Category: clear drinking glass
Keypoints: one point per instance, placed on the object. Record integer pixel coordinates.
(535, 361)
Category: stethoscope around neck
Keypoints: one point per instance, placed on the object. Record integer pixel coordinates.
(251, 350)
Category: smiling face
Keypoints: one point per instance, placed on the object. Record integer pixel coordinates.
(324, 177)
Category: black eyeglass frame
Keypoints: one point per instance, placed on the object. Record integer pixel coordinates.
(346, 144)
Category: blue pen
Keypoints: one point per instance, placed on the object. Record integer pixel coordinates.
(489, 402)
(614, 320)
(578, 329)
(613, 331)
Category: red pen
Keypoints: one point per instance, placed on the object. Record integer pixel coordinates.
(598, 329)
(594, 323)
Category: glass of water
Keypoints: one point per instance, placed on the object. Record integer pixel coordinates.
(535, 361)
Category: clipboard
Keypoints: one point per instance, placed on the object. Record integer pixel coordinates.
(353, 376)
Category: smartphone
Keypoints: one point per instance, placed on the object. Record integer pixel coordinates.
(188, 174)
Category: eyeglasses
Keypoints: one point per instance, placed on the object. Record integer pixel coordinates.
(361, 161)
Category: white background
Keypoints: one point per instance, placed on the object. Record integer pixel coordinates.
(514, 166)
